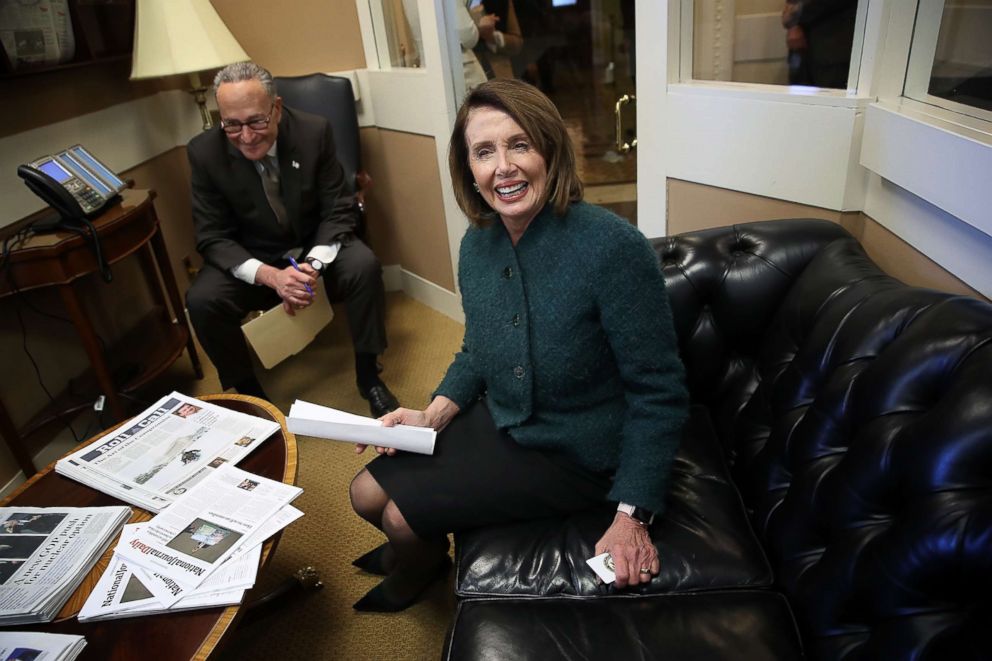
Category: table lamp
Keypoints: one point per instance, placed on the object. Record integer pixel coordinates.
(182, 36)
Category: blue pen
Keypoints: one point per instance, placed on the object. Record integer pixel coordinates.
(297, 267)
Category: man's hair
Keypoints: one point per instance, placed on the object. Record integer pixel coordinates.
(539, 118)
(242, 71)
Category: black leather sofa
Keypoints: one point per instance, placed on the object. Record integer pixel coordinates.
(832, 497)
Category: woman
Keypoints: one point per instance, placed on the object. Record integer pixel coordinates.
(568, 390)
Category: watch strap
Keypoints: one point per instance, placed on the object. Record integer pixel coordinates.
(642, 516)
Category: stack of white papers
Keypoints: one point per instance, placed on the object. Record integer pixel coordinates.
(46, 552)
(200, 553)
(26, 645)
(164, 451)
(324, 422)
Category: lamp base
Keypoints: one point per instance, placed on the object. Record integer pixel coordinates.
(199, 92)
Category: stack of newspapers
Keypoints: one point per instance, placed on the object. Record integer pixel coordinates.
(161, 453)
(44, 554)
(34, 645)
(201, 552)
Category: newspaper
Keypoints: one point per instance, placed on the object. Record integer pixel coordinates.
(207, 525)
(37, 646)
(324, 422)
(125, 590)
(161, 453)
(36, 32)
(46, 552)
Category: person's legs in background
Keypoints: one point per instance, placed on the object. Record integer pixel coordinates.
(355, 276)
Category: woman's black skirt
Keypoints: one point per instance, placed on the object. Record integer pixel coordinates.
(480, 476)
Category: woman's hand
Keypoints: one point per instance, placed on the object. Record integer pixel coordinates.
(629, 544)
(437, 416)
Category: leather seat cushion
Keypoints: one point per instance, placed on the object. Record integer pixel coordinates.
(704, 539)
(738, 624)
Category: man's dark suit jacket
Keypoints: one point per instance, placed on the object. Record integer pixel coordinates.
(231, 215)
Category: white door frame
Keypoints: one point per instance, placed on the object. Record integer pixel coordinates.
(420, 101)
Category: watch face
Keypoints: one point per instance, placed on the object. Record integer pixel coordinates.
(317, 265)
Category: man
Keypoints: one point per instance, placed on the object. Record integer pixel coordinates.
(820, 36)
(273, 213)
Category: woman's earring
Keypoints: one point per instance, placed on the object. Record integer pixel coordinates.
(475, 186)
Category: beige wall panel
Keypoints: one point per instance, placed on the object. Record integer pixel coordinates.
(168, 175)
(297, 37)
(406, 215)
(902, 260)
(695, 206)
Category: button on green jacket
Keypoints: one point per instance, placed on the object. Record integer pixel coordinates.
(569, 335)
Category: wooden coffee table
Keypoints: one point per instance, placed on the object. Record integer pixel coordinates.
(185, 635)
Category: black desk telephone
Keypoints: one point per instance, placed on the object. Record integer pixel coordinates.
(74, 182)
(77, 185)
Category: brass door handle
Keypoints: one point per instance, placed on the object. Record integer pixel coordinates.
(623, 147)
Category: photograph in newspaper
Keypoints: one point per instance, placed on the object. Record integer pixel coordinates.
(25, 523)
(204, 539)
(207, 525)
(166, 450)
(39, 646)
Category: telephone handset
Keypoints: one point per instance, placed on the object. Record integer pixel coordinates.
(77, 185)
(50, 190)
(74, 182)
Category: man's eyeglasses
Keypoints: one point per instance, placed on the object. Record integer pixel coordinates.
(233, 126)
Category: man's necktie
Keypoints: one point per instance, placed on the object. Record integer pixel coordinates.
(269, 171)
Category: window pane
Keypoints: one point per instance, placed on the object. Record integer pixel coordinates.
(962, 60)
(745, 41)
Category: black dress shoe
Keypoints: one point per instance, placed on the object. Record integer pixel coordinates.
(381, 401)
(378, 600)
(375, 561)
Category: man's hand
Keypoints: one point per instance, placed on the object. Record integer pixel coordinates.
(290, 284)
(629, 544)
(795, 38)
(487, 27)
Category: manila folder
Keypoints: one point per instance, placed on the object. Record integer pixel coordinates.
(275, 335)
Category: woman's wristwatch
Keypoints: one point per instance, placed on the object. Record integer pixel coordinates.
(638, 514)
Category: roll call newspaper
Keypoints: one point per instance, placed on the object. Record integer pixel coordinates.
(161, 453)
(208, 524)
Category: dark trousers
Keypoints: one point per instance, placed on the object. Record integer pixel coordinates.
(217, 302)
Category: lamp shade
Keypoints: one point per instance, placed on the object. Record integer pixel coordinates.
(180, 36)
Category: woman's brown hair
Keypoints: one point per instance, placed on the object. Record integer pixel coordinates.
(540, 120)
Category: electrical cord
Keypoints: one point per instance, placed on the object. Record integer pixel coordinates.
(37, 371)
(10, 244)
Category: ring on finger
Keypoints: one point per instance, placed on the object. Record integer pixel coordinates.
(645, 570)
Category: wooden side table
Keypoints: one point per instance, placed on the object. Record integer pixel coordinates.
(183, 635)
(61, 258)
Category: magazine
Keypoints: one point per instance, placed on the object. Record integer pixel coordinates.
(161, 453)
(46, 552)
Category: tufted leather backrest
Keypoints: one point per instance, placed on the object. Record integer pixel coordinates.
(857, 413)
(725, 286)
